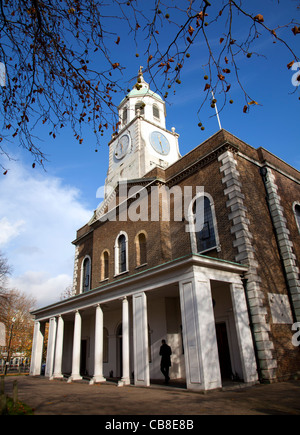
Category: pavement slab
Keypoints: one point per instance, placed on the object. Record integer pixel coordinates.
(58, 397)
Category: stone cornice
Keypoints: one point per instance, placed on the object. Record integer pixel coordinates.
(201, 162)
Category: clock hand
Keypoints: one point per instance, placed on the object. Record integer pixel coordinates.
(162, 149)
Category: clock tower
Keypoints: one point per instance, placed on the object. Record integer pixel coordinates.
(142, 141)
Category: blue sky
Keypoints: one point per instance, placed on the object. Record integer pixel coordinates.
(40, 211)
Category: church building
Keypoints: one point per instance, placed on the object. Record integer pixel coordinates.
(201, 250)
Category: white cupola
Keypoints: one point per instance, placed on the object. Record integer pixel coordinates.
(141, 100)
(142, 141)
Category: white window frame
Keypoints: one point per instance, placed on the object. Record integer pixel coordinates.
(296, 203)
(82, 271)
(116, 249)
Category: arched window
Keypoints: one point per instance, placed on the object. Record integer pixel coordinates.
(297, 215)
(121, 254)
(141, 107)
(155, 111)
(204, 235)
(141, 249)
(86, 274)
(124, 116)
(104, 265)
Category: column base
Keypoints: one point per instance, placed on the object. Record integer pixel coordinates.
(97, 380)
(125, 381)
(56, 376)
(74, 378)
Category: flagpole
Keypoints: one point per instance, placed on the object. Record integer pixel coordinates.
(217, 113)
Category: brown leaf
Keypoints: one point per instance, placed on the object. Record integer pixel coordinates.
(118, 40)
(115, 65)
(274, 33)
(221, 77)
(226, 60)
(191, 30)
(207, 86)
(221, 40)
(245, 109)
(228, 87)
(296, 30)
(259, 18)
(200, 15)
(226, 71)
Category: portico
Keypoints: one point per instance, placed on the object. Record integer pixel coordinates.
(118, 327)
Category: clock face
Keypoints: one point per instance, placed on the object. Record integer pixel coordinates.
(160, 143)
(122, 147)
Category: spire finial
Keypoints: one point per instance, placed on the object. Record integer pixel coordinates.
(141, 71)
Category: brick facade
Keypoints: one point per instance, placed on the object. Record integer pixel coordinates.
(253, 194)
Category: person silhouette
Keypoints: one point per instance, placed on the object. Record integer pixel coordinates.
(165, 352)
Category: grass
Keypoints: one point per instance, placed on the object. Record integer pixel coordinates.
(19, 409)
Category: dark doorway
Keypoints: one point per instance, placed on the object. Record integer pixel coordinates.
(120, 351)
(223, 349)
(83, 371)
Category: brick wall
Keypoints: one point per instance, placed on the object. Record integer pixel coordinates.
(230, 172)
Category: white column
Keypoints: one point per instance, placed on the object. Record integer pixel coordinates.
(75, 375)
(199, 334)
(98, 363)
(37, 349)
(125, 343)
(140, 338)
(59, 349)
(244, 336)
(50, 347)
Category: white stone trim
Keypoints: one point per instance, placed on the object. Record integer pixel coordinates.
(75, 273)
(284, 241)
(246, 255)
(116, 249)
(294, 210)
(81, 273)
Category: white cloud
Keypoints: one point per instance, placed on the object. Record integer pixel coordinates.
(39, 217)
(44, 288)
(9, 230)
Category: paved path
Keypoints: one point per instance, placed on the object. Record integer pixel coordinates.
(58, 397)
